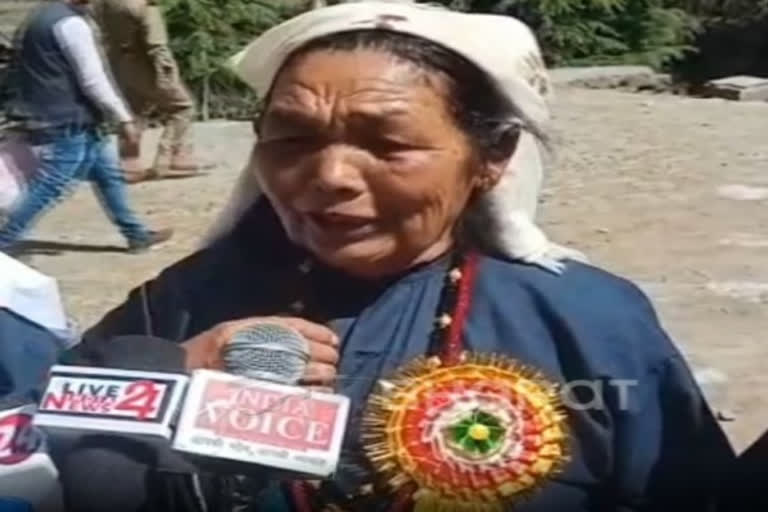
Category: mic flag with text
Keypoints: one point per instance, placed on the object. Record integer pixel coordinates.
(259, 422)
(28, 477)
(135, 402)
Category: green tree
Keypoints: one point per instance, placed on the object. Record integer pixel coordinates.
(733, 40)
(573, 32)
(204, 34)
(727, 11)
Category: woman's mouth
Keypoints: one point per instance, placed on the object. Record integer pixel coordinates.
(340, 226)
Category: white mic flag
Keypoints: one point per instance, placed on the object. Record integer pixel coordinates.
(285, 427)
(134, 402)
(28, 477)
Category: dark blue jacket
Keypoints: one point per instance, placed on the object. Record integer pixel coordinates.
(658, 448)
(27, 351)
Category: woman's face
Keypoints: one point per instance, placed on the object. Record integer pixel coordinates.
(363, 162)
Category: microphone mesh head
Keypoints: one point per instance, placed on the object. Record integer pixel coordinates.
(267, 352)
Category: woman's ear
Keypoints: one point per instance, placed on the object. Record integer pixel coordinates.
(488, 180)
(505, 144)
(498, 157)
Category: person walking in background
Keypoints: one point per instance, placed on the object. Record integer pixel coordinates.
(135, 34)
(59, 96)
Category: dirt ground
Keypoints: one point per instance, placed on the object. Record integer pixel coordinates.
(670, 192)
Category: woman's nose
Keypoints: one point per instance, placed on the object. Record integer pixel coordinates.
(338, 172)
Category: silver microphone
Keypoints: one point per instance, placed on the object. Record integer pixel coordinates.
(267, 351)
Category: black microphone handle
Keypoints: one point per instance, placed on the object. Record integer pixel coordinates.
(103, 472)
(135, 473)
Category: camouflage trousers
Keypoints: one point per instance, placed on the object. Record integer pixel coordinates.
(165, 98)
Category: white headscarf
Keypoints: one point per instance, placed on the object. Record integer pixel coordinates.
(501, 46)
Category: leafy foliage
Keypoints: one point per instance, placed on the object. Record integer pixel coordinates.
(733, 40)
(726, 11)
(651, 32)
(659, 33)
(205, 33)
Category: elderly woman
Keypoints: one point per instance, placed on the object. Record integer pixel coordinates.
(384, 129)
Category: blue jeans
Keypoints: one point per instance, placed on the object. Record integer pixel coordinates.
(67, 157)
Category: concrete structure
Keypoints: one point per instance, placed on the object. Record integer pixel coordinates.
(604, 77)
(739, 88)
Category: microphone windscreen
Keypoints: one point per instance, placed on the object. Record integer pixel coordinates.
(101, 477)
(269, 352)
(121, 474)
(134, 352)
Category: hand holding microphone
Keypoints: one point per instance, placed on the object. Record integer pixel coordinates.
(252, 412)
(217, 348)
(239, 412)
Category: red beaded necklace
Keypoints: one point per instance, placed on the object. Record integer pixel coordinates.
(446, 341)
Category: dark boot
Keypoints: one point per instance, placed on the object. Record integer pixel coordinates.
(135, 174)
(154, 238)
(178, 161)
(184, 159)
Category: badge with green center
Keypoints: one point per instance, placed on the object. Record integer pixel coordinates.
(476, 436)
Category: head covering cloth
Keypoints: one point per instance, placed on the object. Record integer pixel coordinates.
(500, 46)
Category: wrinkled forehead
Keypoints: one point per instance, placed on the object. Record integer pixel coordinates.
(500, 45)
(361, 88)
(361, 66)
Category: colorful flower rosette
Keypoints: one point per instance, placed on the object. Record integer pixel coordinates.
(477, 436)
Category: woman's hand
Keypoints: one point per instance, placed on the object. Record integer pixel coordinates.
(204, 350)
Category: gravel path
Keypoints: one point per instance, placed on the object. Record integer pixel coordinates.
(670, 192)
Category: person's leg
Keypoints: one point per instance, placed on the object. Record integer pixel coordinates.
(177, 110)
(136, 83)
(61, 158)
(106, 176)
(175, 150)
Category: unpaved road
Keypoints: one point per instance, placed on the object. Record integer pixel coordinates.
(670, 192)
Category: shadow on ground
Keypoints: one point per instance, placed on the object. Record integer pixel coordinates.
(171, 176)
(47, 248)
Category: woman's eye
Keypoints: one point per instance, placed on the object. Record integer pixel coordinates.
(291, 140)
(390, 146)
(295, 140)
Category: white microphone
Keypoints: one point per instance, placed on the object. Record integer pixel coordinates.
(28, 477)
(256, 414)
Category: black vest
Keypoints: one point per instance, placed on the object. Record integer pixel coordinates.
(42, 86)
